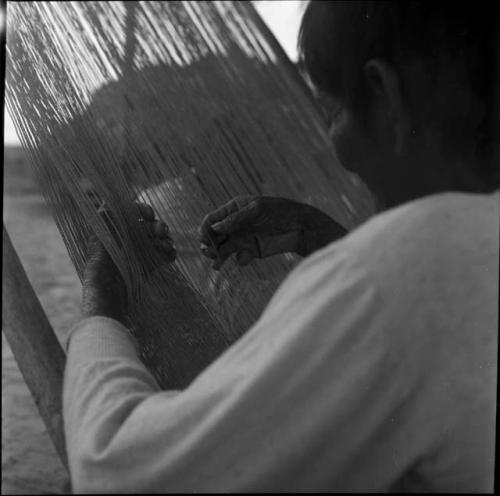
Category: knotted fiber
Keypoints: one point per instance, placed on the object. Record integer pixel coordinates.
(181, 105)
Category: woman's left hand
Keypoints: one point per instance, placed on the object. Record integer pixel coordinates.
(104, 291)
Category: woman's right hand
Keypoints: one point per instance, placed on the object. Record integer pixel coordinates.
(261, 226)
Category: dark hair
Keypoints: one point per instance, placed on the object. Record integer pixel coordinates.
(337, 38)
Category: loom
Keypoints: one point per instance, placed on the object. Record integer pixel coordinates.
(182, 105)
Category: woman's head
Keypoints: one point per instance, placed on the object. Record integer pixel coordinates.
(412, 88)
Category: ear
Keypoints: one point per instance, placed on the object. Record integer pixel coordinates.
(384, 85)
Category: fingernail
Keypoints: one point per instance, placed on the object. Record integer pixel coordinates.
(162, 230)
(215, 227)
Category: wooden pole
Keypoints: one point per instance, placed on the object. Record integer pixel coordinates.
(36, 348)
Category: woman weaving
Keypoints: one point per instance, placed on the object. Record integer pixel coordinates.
(374, 366)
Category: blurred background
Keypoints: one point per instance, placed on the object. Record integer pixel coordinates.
(282, 16)
(29, 461)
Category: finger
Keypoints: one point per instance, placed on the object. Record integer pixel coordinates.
(222, 212)
(224, 252)
(215, 216)
(240, 242)
(219, 263)
(208, 251)
(166, 248)
(244, 257)
(165, 242)
(212, 239)
(146, 212)
(239, 221)
(158, 229)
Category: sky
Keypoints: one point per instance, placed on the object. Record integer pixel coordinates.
(282, 17)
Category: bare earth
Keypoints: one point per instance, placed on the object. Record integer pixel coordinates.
(30, 464)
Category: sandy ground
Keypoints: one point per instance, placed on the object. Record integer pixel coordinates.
(30, 464)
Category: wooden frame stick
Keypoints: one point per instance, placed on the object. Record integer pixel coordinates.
(34, 344)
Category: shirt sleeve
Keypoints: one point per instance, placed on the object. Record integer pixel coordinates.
(310, 398)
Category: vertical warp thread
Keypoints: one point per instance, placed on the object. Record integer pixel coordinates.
(211, 111)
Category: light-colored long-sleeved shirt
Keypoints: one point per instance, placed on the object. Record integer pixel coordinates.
(373, 368)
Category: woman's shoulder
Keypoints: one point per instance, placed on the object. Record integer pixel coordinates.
(430, 232)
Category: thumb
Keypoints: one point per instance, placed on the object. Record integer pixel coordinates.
(225, 226)
(244, 257)
(238, 221)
